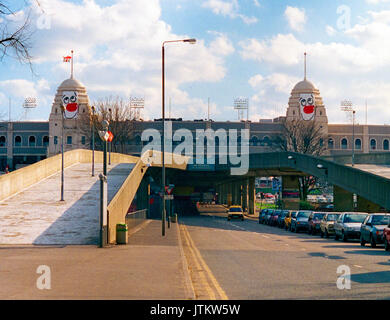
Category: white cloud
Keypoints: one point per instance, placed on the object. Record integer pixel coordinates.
(296, 18)
(118, 52)
(354, 69)
(221, 45)
(330, 30)
(228, 8)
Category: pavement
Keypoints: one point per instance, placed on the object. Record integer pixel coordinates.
(149, 267)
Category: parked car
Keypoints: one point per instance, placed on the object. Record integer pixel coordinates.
(281, 218)
(235, 212)
(386, 237)
(300, 221)
(273, 220)
(262, 215)
(327, 224)
(268, 215)
(314, 222)
(287, 219)
(372, 228)
(347, 226)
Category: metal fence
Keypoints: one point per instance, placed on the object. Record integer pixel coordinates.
(135, 218)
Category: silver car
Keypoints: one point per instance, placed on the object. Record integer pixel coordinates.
(348, 224)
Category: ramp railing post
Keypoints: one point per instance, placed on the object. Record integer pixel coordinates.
(103, 211)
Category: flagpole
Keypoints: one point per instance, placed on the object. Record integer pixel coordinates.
(71, 72)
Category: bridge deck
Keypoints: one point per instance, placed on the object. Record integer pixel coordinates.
(36, 216)
(379, 170)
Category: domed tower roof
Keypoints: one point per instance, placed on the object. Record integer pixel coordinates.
(304, 85)
(305, 102)
(71, 84)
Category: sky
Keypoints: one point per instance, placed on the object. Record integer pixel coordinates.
(245, 49)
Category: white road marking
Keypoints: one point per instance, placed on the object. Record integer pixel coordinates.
(357, 266)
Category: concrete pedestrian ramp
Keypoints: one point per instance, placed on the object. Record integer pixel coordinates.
(37, 216)
(31, 211)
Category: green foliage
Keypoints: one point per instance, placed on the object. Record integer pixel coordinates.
(305, 205)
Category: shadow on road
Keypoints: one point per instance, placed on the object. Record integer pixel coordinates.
(372, 277)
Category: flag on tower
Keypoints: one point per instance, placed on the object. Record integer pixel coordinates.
(67, 58)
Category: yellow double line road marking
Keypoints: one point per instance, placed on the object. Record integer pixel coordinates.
(207, 277)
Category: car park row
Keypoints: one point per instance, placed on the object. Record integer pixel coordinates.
(372, 228)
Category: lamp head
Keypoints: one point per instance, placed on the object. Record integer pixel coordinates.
(191, 41)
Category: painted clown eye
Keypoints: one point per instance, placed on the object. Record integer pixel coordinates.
(73, 98)
(65, 99)
(303, 102)
(310, 101)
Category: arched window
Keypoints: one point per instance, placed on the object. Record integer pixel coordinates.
(373, 144)
(266, 141)
(137, 140)
(18, 141)
(2, 141)
(330, 143)
(254, 141)
(55, 140)
(31, 141)
(344, 143)
(45, 141)
(386, 144)
(358, 144)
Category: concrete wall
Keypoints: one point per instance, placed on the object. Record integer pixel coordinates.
(21, 179)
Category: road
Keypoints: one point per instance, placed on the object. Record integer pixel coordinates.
(246, 260)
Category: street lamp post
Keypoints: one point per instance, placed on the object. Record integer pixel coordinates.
(163, 215)
(110, 145)
(93, 141)
(105, 125)
(353, 137)
(62, 153)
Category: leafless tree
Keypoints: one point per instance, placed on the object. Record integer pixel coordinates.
(15, 39)
(305, 137)
(117, 112)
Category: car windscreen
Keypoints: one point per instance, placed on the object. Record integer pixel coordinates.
(332, 217)
(303, 214)
(380, 220)
(235, 210)
(270, 212)
(318, 216)
(354, 218)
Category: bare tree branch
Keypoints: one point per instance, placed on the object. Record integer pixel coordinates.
(305, 137)
(15, 42)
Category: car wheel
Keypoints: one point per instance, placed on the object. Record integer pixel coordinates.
(326, 233)
(387, 245)
(322, 234)
(344, 237)
(372, 242)
(362, 242)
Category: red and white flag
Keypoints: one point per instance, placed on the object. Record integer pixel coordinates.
(67, 59)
